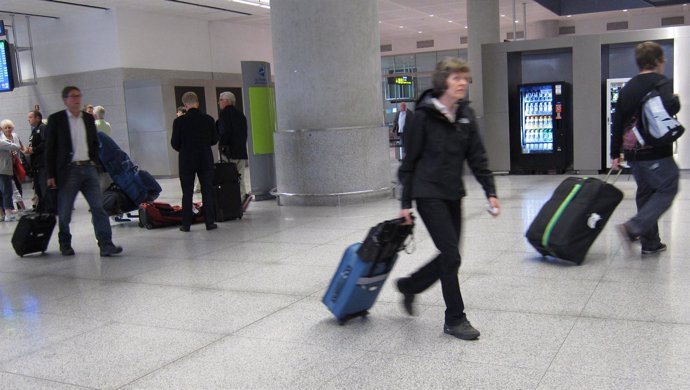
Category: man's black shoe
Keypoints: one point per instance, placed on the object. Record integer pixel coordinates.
(408, 300)
(653, 251)
(109, 249)
(66, 250)
(463, 330)
(211, 226)
(184, 228)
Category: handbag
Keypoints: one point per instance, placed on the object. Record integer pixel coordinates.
(385, 240)
(18, 168)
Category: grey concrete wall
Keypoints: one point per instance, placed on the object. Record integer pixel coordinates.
(587, 95)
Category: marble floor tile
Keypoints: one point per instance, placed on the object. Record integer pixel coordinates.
(507, 339)
(212, 311)
(253, 363)
(109, 356)
(660, 302)
(14, 381)
(632, 350)
(527, 294)
(240, 307)
(392, 371)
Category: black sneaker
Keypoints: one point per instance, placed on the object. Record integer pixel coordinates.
(109, 249)
(408, 300)
(463, 330)
(66, 250)
(653, 251)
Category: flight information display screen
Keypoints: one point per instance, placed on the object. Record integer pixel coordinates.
(6, 82)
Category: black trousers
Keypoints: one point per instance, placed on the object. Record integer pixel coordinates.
(187, 183)
(443, 220)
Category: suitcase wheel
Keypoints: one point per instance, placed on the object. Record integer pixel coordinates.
(148, 226)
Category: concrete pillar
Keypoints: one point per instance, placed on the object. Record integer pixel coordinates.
(330, 142)
(483, 27)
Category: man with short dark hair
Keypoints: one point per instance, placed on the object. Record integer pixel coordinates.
(654, 168)
(71, 154)
(45, 198)
(193, 135)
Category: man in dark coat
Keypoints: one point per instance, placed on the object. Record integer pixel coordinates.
(232, 131)
(193, 135)
(45, 199)
(71, 154)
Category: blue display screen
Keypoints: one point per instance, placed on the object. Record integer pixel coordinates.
(6, 83)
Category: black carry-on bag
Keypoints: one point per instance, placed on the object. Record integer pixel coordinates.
(32, 233)
(226, 191)
(569, 222)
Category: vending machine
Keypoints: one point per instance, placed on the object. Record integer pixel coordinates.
(541, 131)
(613, 89)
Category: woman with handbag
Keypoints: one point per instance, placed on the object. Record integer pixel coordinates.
(9, 144)
(442, 136)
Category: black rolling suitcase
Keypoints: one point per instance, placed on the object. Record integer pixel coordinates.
(32, 233)
(569, 222)
(226, 191)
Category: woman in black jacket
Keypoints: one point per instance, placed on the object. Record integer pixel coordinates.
(442, 135)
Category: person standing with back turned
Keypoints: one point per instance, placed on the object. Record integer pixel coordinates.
(71, 156)
(654, 169)
(442, 136)
(232, 143)
(193, 135)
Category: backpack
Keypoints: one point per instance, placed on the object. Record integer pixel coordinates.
(653, 126)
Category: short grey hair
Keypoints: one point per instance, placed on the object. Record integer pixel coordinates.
(190, 98)
(99, 112)
(229, 96)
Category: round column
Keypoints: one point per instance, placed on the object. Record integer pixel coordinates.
(483, 27)
(330, 143)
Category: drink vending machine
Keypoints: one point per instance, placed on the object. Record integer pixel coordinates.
(542, 137)
(613, 89)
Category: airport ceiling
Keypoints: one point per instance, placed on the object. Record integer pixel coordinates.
(398, 18)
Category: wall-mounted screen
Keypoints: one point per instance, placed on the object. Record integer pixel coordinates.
(6, 81)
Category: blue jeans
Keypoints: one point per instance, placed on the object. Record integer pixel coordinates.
(84, 179)
(6, 192)
(657, 185)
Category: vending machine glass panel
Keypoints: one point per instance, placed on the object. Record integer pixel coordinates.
(536, 119)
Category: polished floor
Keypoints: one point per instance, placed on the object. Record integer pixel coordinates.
(240, 307)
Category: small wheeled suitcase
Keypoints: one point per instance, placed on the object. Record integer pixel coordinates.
(32, 233)
(227, 201)
(226, 191)
(356, 284)
(569, 222)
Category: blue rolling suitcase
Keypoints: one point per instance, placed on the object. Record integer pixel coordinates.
(356, 284)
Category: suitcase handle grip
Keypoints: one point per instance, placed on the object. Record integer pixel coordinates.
(372, 279)
(615, 179)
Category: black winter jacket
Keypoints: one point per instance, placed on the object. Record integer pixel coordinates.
(628, 105)
(436, 150)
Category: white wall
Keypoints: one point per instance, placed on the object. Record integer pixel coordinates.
(85, 41)
(152, 41)
(232, 43)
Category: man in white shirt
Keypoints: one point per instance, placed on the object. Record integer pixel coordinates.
(71, 163)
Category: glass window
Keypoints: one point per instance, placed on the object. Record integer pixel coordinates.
(405, 63)
(426, 62)
(387, 64)
(448, 53)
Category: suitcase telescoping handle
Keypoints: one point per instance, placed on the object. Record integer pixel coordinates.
(615, 178)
